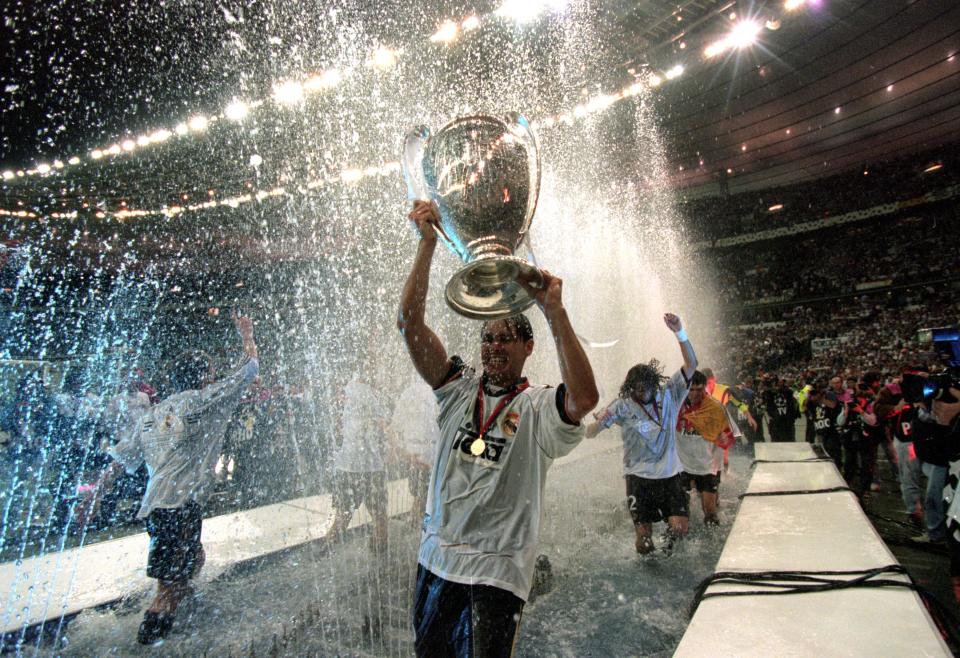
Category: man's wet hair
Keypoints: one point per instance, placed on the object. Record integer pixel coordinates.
(641, 377)
(707, 373)
(189, 371)
(699, 378)
(520, 324)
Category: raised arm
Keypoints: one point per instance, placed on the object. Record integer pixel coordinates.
(427, 352)
(575, 369)
(245, 328)
(686, 349)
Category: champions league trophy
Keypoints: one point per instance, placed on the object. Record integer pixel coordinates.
(483, 172)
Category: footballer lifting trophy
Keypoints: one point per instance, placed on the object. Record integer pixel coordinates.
(483, 172)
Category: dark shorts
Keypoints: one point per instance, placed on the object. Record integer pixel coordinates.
(656, 500)
(709, 483)
(418, 479)
(451, 619)
(175, 548)
(354, 489)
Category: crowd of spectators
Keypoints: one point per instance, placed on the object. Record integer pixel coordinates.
(884, 252)
(902, 179)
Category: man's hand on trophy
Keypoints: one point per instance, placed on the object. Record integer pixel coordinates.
(426, 218)
(549, 293)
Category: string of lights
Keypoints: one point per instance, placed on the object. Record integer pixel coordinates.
(713, 97)
(847, 120)
(293, 92)
(687, 122)
(771, 176)
(787, 131)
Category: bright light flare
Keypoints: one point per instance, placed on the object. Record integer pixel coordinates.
(744, 34)
(236, 111)
(446, 33)
(128, 145)
(384, 58)
(936, 166)
(74, 160)
(8, 175)
(793, 5)
(288, 93)
(674, 72)
(198, 123)
(43, 168)
(470, 23)
(351, 175)
(325, 80)
(775, 207)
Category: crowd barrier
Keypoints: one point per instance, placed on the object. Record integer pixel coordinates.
(804, 573)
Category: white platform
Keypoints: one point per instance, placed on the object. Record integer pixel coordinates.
(816, 532)
(62, 583)
(783, 451)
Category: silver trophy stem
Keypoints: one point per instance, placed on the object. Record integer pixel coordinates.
(493, 287)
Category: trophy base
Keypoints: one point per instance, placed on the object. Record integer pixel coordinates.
(488, 288)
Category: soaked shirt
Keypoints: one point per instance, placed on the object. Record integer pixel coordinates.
(649, 431)
(415, 421)
(482, 522)
(180, 440)
(362, 445)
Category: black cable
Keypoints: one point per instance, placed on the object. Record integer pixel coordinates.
(800, 582)
(808, 460)
(798, 492)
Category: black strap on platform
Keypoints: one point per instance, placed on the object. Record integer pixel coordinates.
(800, 492)
(800, 582)
(808, 460)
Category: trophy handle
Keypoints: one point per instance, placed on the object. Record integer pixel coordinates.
(413, 147)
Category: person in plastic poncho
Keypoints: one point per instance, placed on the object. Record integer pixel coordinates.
(498, 437)
(180, 440)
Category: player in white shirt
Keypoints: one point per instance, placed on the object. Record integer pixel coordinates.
(414, 426)
(647, 412)
(359, 463)
(498, 437)
(180, 440)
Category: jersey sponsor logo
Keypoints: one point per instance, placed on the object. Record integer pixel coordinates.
(493, 450)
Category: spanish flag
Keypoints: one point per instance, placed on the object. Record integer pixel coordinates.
(710, 420)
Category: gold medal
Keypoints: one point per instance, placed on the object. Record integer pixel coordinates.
(477, 447)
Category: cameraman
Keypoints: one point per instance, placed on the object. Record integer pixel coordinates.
(938, 429)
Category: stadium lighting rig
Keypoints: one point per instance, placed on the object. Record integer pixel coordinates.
(292, 94)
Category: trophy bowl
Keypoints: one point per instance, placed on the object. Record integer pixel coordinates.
(483, 172)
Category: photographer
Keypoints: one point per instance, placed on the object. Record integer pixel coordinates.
(935, 433)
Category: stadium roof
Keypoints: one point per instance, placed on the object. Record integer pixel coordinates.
(759, 94)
